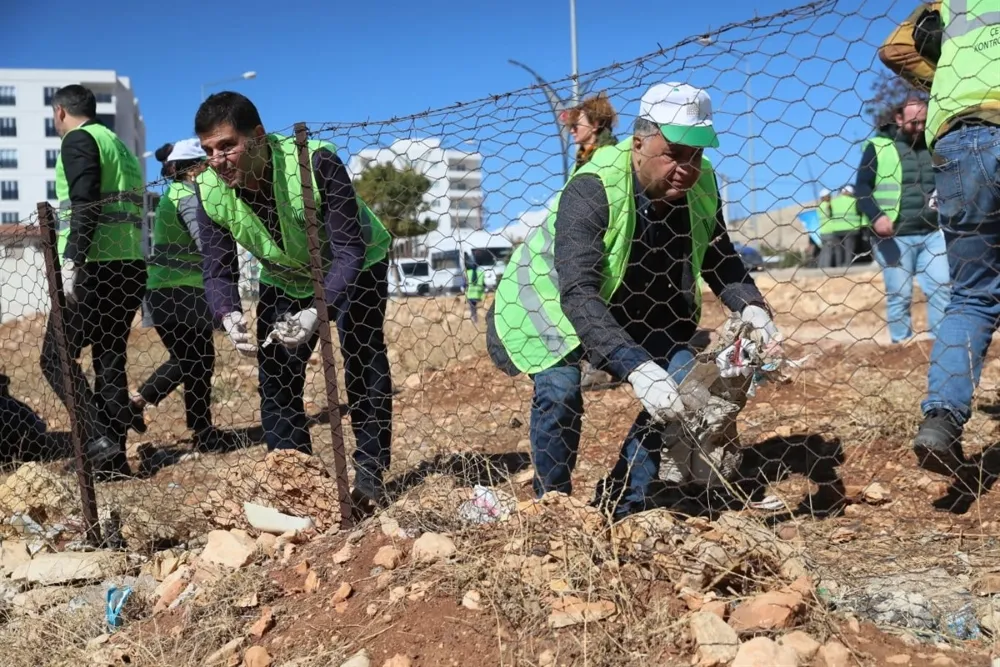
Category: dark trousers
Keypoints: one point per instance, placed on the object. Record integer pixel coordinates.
(108, 296)
(187, 334)
(360, 319)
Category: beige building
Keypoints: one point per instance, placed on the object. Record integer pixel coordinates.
(779, 229)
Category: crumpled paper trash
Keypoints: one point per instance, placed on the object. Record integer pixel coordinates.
(486, 506)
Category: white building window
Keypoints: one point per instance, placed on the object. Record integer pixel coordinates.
(9, 218)
(8, 158)
(8, 127)
(8, 191)
(8, 96)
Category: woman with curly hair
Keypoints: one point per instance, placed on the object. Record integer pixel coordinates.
(590, 124)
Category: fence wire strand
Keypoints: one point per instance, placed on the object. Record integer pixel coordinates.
(453, 395)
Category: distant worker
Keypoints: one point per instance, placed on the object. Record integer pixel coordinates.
(591, 124)
(894, 186)
(176, 299)
(252, 195)
(100, 188)
(839, 228)
(629, 237)
(475, 289)
(956, 43)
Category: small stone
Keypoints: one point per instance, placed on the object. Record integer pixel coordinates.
(715, 641)
(530, 507)
(341, 608)
(13, 554)
(472, 600)
(312, 582)
(397, 594)
(763, 652)
(263, 624)
(383, 581)
(371, 610)
(775, 610)
(302, 568)
(834, 654)
(248, 601)
(800, 642)
(398, 660)
(717, 607)
(432, 547)
(547, 658)
(388, 557)
(899, 659)
(390, 527)
(345, 554)
(256, 656)
(842, 535)
(875, 494)
(231, 549)
(941, 660)
(171, 588)
(571, 610)
(988, 584)
(854, 625)
(222, 656)
(789, 532)
(267, 543)
(98, 641)
(359, 659)
(344, 591)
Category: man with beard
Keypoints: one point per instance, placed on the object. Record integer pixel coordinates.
(894, 189)
(613, 276)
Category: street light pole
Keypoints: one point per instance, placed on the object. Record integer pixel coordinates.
(245, 76)
(572, 50)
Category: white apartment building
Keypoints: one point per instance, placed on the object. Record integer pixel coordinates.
(29, 145)
(455, 198)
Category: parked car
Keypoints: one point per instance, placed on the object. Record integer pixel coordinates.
(410, 277)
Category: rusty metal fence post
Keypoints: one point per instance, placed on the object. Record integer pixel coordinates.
(325, 338)
(84, 474)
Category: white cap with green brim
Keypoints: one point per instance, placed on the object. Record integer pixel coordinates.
(683, 113)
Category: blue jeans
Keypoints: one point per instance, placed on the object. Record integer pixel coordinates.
(967, 171)
(902, 258)
(556, 417)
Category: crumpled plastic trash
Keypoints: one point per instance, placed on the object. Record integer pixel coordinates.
(115, 601)
(486, 506)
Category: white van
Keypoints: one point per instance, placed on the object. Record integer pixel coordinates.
(409, 276)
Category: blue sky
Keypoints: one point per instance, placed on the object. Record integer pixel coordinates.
(338, 63)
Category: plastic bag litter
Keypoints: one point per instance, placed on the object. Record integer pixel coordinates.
(486, 506)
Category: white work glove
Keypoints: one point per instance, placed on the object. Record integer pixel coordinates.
(657, 392)
(294, 329)
(69, 271)
(761, 320)
(235, 324)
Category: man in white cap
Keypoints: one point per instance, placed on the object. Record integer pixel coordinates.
(613, 275)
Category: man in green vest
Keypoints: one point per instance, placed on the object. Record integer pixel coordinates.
(252, 196)
(100, 187)
(613, 274)
(475, 289)
(894, 185)
(962, 41)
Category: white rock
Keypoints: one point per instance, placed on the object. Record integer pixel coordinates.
(232, 549)
(68, 567)
(359, 659)
(270, 520)
(432, 547)
(717, 643)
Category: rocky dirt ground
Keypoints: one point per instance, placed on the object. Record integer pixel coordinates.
(903, 573)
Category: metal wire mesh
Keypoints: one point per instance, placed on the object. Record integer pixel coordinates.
(810, 472)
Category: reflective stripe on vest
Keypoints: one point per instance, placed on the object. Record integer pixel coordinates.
(961, 24)
(529, 318)
(967, 76)
(174, 259)
(118, 234)
(888, 193)
(285, 266)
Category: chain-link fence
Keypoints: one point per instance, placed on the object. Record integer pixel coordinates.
(420, 320)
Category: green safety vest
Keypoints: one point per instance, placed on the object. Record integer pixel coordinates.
(118, 236)
(284, 266)
(888, 193)
(528, 315)
(174, 260)
(476, 288)
(968, 71)
(842, 215)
